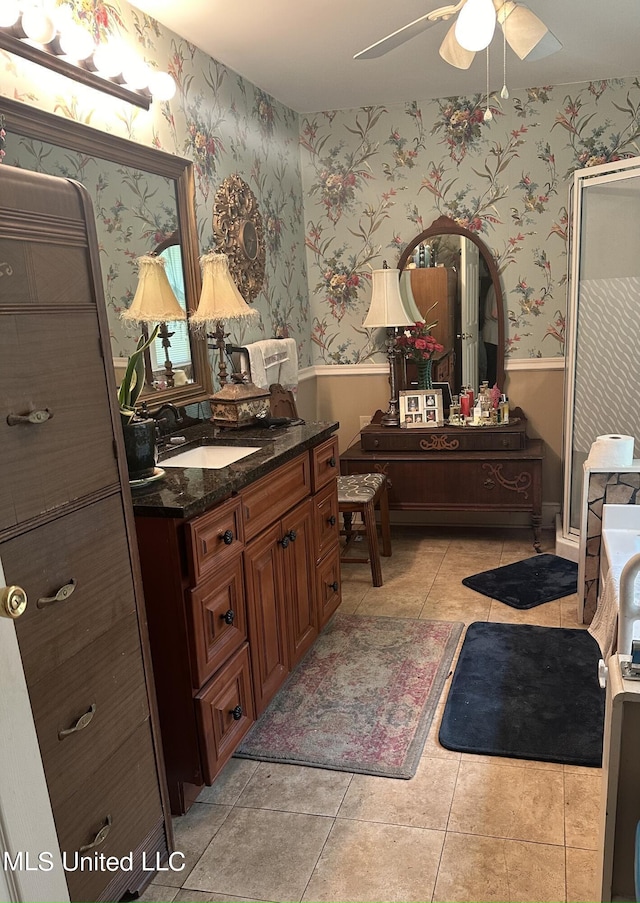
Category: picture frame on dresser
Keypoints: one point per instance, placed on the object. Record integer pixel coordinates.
(421, 408)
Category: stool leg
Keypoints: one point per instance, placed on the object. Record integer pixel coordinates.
(371, 529)
(384, 522)
(347, 517)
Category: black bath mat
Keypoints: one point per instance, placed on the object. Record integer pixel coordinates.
(528, 583)
(526, 693)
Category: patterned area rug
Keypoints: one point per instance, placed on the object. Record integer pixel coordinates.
(362, 699)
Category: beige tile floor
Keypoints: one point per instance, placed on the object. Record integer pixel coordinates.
(465, 828)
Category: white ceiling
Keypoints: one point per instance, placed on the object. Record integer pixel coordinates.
(301, 51)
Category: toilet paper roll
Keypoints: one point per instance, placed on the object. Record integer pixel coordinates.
(611, 451)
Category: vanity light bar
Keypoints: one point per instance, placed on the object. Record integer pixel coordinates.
(14, 40)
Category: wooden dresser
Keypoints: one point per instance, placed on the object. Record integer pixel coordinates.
(455, 468)
(67, 538)
(235, 597)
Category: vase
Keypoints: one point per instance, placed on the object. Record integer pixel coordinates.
(424, 374)
(140, 448)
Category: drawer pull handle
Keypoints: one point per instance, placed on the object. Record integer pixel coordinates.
(284, 542)
(100, 837)
(236, 713)
(331, 520)
(227, 537)
(63, 593)
(229, 616)
(82, 722)
(332, 461)
(334, 586)
(34, 417)
(489, 484)
(505, 443)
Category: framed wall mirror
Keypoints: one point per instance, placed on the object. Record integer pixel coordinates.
(144, 203)
(463, 283)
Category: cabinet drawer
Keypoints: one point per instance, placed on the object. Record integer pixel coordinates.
(325, 517)
(225, 712)
(267, 499)
(325, 463)
(213, 538)
(46, 465)
(89, 547)
(123, 792)
(328, 586)
(108, 677)
(218, 620)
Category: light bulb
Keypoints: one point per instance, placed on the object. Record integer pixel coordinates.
(135, 72)
(107, 59)
(76, 42)
(9, 13)
(162, 86)
(37, 25)
(475, 24)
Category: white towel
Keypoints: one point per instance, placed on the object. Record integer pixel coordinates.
(274, 361)
(604, 626)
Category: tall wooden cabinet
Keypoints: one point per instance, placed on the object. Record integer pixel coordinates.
(66, 537)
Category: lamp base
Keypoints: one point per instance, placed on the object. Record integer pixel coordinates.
(392, 417)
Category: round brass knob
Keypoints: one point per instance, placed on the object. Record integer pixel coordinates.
(13, 601)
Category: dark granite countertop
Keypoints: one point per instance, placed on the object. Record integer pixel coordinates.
(184, 492)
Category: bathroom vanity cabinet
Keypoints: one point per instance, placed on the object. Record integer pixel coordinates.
(237, 589)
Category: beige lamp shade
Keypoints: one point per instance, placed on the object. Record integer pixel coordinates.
(220, 299)
(154, 300)
(386, 308)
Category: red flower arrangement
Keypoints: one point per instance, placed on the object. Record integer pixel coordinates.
(417, 344)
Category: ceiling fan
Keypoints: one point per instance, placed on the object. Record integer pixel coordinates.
(473, 30)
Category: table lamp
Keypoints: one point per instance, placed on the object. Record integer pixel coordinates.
(387, 309)
(155, 302)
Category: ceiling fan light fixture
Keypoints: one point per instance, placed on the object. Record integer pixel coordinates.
(475, 25)
(452, 53)
(526, 34)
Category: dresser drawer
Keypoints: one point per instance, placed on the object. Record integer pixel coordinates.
(86, 549)
(42, 273)
(325, 519)
(225, 712)
(328, 586)
(213, 538)
(106, 680)
(325, 463)
(218, 619)
(269, 498)
(122, 795)
(45, 465)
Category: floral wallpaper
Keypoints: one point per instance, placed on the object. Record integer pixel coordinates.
(217, 119)
(340, 191)
(376, 177)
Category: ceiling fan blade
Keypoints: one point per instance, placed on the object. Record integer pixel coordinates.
(526, 34)
(396, 38)
(453, 53)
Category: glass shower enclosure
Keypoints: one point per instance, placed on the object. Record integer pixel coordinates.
(602, 385)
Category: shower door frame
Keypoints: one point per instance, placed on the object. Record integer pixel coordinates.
(582, 180)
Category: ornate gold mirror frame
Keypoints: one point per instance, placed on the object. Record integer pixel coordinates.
(238, 230)
(23, 120)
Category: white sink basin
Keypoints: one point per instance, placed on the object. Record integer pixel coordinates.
(211, 457)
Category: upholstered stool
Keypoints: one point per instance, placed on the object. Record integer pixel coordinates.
(363, 493)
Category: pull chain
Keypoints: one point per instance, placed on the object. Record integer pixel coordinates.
(488, 115)
(504, 94)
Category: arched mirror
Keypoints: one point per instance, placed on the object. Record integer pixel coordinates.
(450, 267)
(144, 204)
